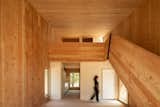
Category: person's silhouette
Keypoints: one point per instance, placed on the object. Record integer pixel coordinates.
(96, 89)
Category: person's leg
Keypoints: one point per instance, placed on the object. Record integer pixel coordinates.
(97, 95)
(94, 94)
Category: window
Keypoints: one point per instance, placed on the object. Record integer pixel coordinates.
(74, 80)
(87, 39)
(123, 93)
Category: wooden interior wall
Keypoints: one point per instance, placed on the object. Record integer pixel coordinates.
(143, 26)
(0, 54)
(77, 52)
(139, 70)
(23, 54)
(131, 101)
(11, 49)
(36, 30)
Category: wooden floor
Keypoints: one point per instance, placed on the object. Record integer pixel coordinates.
(73, 101)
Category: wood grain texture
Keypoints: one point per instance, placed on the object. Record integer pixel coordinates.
(143, 26)
(138, 68)
(36, 36)
(131, 101)
(23, 54)
(84, 17)
(1, 83)
(11, 53)
(77, 52)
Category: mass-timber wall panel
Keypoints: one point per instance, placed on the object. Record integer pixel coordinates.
(139, 70)
(23, 54)
(12, 82)
(143, 26)
(78, 52)
(0, 54)
(36, 35)
(29, 53)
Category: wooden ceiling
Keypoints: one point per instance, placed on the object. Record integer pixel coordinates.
(74, 18)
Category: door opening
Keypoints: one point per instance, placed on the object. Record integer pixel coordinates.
(109, 83)
(71, 80)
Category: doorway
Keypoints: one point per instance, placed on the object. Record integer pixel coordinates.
(109, 81)
(71, 79)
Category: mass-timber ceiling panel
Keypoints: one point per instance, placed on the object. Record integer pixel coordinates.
(84, 17)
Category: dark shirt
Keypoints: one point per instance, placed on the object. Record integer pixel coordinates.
(96, 84)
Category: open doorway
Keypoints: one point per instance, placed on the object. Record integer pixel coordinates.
(71, 80)
(109, 84)
(113, 87)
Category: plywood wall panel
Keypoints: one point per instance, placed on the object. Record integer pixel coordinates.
(142, 26)
(131, 101)
(130, 84)
(36, 34)
(11, 53)
(23, 54)
(140, 67)
(29, 53)
(1, 83)
(78, 51)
